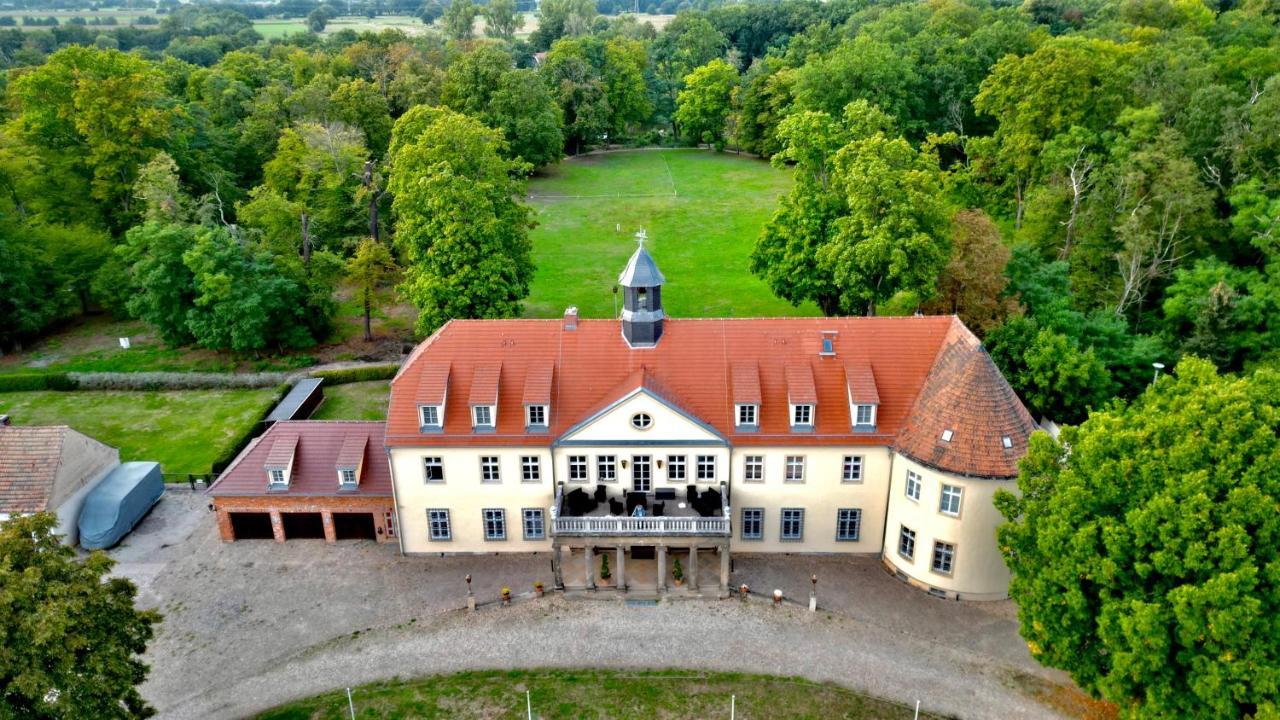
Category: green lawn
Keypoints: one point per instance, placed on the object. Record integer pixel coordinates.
(185, 431)
(702, 212)
(355, 401)
(671, 695)
(271, 29)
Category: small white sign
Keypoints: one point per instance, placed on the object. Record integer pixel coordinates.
(124, 343)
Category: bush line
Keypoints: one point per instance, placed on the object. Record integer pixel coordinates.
(365, 373)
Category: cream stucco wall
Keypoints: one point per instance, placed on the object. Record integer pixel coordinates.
(979, 571)
(821, 494)
(615, 424)
(466, 497)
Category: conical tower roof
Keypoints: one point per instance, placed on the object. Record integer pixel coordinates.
(641, 271)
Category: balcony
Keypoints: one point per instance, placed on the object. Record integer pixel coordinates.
(679, 519)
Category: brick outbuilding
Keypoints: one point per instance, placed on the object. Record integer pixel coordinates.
(308, 479)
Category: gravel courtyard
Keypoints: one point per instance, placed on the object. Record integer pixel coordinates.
(252, 624)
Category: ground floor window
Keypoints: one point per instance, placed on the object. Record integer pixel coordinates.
(390, 521)
(907, 543)
(438, 525)
(944, 557)
(848, 524)
(752, 523)
(495, 524)
(792, 524)
(533, 525)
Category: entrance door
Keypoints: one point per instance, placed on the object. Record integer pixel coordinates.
(641, 473)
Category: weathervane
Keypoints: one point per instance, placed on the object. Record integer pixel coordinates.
(641, 237)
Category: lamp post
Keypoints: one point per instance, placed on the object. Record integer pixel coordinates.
(813, 593)
(1158, 366)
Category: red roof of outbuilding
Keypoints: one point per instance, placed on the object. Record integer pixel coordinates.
(29, 461)
(319, 443)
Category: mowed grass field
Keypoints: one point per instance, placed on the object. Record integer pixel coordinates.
(702, 212)
(589, 694)
(185, 431)
(355, 401)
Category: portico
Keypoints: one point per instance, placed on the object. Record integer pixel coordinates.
(644, 570)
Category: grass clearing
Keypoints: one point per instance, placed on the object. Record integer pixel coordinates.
(185, 431)
(701, 210)
(355, 401)
(554, 694)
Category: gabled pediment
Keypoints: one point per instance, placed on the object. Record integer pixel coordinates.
(620, 420)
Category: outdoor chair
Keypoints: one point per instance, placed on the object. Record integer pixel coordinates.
(616, 507)
(691, 495)
(601, 494)
(636, 499)
(659, 509)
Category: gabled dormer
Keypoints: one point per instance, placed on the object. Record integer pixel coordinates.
(802, 397)
(537, 397)
(864, 397)
(433, 393)
(279, 462)
(746, 396)
(350, 462)
(484, 397)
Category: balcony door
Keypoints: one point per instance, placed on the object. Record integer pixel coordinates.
(641, 473)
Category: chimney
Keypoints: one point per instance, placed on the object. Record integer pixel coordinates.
(4, 421)
(571, 318)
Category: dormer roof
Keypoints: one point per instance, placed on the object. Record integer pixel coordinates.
(537, 384)
(484, 384)
(862, 384)
(281, 454)
(641, 271)
(746, 383)
(800, 388)
(433, 383)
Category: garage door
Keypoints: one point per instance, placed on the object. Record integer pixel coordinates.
(251, 526)
(303, 526)
(353, 526)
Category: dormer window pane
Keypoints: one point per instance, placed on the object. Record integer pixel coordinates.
(866, 415)
(276, 476)
(483, 415)
(802, 415)
(347, 476)
(431, 415)
(537, 415)
(746, 414)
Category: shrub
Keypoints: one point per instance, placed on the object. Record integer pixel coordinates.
(174, 380)
(364, 373)
(27, 382)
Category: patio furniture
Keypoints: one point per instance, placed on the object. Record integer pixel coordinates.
(691, 495)
(601, 495)
(664, 494)
(616, 507)
(578, 502)
(636, 499)
(659, 509)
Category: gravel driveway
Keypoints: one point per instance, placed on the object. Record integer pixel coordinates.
(250, 625)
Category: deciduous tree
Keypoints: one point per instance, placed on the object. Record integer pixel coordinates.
(706, 102)
(972, 285)
(370, 267)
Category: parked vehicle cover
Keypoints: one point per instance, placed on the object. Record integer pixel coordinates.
(118, 503)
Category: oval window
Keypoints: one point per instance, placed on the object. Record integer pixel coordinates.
(641, 421)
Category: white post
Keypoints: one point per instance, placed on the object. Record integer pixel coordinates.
(733, 707)
(917, 710)
(528, 704)
(351, 705)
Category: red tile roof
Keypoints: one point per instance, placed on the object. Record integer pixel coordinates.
(537, 384)
(283, 448)
(694, 365)
(800, 389)
(966, 394)
(319, 444)
(351, 455)
(29, 460)
(862, 384)
(746, 383)
(484, 384)
(433, 385)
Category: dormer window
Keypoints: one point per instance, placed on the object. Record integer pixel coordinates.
(482, 416)
(430, 416)
(347, 477)
(1007, 442)
(801, 415)
(535, 416)
(276, 477)
(947, 435)
(748, 415)
(864, 415)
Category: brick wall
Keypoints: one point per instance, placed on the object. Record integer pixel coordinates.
(326, 506)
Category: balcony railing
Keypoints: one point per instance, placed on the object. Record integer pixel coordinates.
(648, 526)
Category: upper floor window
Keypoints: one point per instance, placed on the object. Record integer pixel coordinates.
(706, 467)
(530, 468)
(577, 468)
(752, 523)
(482, 416)
(864, 415)
(607, 468)
(489, 469)
(430, 415)
(802, 415)
(433, 469)
(907, 543)
(795, 468)
(753, 468)
(747, 414)
(676, 468)
(276, 476)
(848, 524)
(950, 501)
(913, 485)
(851, 469)
(641, 421)
(346, 476)
(536, 415)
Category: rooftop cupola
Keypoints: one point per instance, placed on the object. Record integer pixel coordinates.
(641, 283)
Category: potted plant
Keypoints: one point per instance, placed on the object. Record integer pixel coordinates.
(605, 574)
(537, 588)
(677, 573)
(506, 595)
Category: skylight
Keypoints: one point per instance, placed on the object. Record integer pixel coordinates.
(1007, 442)
(946, 436)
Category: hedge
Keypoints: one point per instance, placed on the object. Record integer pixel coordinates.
(364, 373)
(27, 382)
(175, 380)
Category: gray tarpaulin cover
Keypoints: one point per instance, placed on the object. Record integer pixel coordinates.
(119, 502)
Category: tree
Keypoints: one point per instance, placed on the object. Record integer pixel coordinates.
(464, 236)
(502, 19)
(71, 633)
(580, 91)
(163, 286)
(558, 18)
(358, 103)
(687, 42)
(1144, 558)
(863, 69)
(460, 19)
(369, 268)
(625, 62)
(706, 102)
(317, 19)
(522, 107)
(972, 285)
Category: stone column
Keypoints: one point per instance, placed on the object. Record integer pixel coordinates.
(693, 568)
(622, 568)
(277, 525)
(662, 569)
(724, 570)
(589, 556)
(330, 535)
(556, 560)
(225, 530)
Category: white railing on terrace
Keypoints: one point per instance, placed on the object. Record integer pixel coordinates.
(648, 525)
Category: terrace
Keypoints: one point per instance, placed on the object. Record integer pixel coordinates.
(665, 512)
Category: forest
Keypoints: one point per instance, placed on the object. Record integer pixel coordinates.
(1092, 186)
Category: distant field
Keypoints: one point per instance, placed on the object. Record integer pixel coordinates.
(185, 431)
(123, 17)
(701, 210)
(278, 28)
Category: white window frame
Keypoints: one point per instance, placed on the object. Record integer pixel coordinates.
(791, 515)
(494, 518)
(682, 463)
(795, 469)
(871, 414)
(528, 416)
(753, 468)
(748, 415)
(488, 410)
(848, 517)
(947, 552)
(607, 462)
(438, 518)
(946, 497)
(913, 485)
(490, 469)
(851, 469)
(530, 468)
(907, 538)
(642, 421)
(806, 409)
(579, 463)
(757, 520)
(706, 468)
(431, 461)
(342, 477)
(424, 410)
(533, 517)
